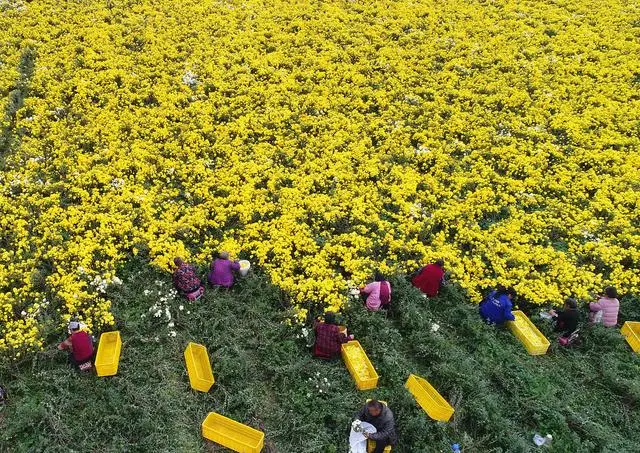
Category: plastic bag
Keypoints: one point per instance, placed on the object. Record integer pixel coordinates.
(357, 442)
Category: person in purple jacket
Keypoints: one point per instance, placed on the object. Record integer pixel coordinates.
(496, 307)
(222, 268)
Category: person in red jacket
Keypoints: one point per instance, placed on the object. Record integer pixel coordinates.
(79, 344)
(430, 278)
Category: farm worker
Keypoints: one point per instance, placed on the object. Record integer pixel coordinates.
(606, 309)
(496, 307)
(328, 337)
(378, 293)
(186, 280)
(221, 271)
(380, 416)
(567, 319)
(79, 344)
(430, 278)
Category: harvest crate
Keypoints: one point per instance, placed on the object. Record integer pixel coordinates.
(429, 399)
(528, 334)
(108, 355)
(631, 331)
(371, 445)
(359, 365)
(198, 367)
(231, 434)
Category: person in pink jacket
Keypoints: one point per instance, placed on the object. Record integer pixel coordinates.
(606, 309)
(222, 271)
(377, 293)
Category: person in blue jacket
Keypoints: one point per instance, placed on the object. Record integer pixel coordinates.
(496, 307)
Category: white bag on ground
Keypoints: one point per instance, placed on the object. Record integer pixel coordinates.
(357, 442)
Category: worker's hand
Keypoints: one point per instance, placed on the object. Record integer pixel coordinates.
(365, 434)
(61, 346)
(552, 312)
(351, 337)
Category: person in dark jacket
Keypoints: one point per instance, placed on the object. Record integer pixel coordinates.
(567, 319)
(380, 416)
(496, 307)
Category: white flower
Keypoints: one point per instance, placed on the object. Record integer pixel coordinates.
(170, 325)
(172, 333)
(117, 281)
(434, 327)
(146, 292)
(23, 313)
(188, 312)
(181, 307)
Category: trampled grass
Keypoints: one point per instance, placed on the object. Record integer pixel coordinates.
(587, 397)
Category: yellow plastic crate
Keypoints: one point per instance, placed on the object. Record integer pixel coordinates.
(198, 367)
(231, 434)
(528, 334)
(631, 332)
(108, 355)
(359, 365)
(371, 445)
(429, 399)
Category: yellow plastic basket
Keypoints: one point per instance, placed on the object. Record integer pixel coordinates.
(371, 445)
(198, 367)
(631, 332)
(429, 399)
(108, 355)
(359, 365)
(231, 434)
(528, 334)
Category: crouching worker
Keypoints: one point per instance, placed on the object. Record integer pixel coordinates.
(80, 347)
(380, 416)
(186, 281)
(430, 278)
(566, 320)
(377, 293)
(221, 273)
(329, 338)
(496, 307)
(605, 310)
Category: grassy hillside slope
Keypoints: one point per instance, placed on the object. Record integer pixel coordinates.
(587, 397)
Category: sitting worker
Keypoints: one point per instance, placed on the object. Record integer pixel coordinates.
(566, 320)
(430, 278)
(80, 346)
(381, 417)
(222, 268)
(328, 337)
(496, 307)
(186, 280)
(378, 293)
(605, 310)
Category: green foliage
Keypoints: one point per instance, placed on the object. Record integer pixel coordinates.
(586, 396)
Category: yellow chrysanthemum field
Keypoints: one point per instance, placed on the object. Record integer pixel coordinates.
(323, 139)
